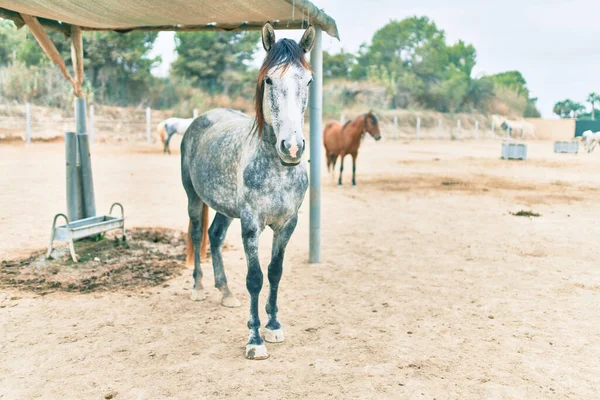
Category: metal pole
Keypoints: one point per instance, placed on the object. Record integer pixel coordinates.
(439, 133)
(418, 128)
(148, 123)
(395, 127)
(28, 122)
(73, 193)
(316, 117)
(476, 129)
(195, 113)
(87, 180)
(92, 133)
(342, 119)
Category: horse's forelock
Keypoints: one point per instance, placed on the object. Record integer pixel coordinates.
(284, 53)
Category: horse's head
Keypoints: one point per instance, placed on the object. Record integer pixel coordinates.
(282, 91)
(372, 125)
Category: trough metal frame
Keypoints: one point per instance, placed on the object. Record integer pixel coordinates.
(72, 231)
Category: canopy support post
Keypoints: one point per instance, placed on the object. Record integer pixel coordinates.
(316, 118)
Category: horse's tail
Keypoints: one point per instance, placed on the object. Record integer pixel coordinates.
(162, 132)
(189, 260)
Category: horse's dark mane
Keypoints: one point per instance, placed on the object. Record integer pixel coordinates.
(346, 124)
(284, 53)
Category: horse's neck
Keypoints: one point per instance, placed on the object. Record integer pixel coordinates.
(357, 128)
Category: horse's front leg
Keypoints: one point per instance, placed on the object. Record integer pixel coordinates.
(281, 237)
(251, 230)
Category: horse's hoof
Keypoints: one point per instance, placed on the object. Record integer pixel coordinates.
(274, 336)
(198, 295)
(256, 352)
(230, 301)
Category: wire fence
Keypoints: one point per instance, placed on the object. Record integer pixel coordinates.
(104, 123)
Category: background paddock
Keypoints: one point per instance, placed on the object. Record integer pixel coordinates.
(430, 288)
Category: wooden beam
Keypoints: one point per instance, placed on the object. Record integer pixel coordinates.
(46, 44)
(77, 55)
(15, 17)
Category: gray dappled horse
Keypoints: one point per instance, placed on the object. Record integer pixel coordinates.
(252, 170)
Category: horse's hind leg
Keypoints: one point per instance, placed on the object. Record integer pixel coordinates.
(195, 209)
(216, 233)
(281, 237)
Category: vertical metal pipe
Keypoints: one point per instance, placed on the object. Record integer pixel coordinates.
(342, 119)
(28, 122)
(439, 132)
(476, 129)
(148, 124)
(73, 193)
(316, 117)
(418, 128)
(92, 133)
(195, 113)
(87, 179)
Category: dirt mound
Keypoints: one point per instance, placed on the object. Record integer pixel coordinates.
(148, 257)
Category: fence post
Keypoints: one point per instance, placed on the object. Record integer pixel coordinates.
(458, 129)
(148, 123)
(418, 128)
(476, 129)
(92, 133)
(28, 122)
(395, 127)
(493, 130)
(439, 132)
(195, 113)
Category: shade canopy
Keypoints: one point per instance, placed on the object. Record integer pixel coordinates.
(177, 15)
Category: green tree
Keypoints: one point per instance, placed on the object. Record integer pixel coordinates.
(339, 65)
(568, 108)
(593, 98)
(463, 56)
(414, 43)
(211, 59)
(513, 80)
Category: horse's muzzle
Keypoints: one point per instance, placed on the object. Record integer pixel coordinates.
(378, 137)
(290, 151)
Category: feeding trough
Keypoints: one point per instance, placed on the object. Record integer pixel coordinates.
(83, 228)
(566, 147)
(514, 151)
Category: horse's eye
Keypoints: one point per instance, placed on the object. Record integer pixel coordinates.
(268, 80)
(309, 82)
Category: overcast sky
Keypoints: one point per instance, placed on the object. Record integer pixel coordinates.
(555, 44)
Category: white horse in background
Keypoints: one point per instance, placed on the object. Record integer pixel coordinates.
(169, 127)
(590, 140)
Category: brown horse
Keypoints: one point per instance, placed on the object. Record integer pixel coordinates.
(341, 140)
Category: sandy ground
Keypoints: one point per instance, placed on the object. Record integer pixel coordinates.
(429, 287)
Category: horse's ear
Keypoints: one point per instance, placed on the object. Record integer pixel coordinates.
(308, 39)
(268, 36)
(370, 112)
